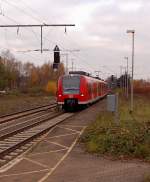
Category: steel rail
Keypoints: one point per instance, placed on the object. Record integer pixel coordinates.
(16, 128)
(13, 143)
(20, 114)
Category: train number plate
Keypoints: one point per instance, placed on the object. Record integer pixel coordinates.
(70, 96)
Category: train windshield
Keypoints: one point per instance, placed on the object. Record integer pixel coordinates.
(71, 85)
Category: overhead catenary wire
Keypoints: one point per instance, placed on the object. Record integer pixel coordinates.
(14, 21)
(83, 60)
(1, 9)
(42, 19)
(36, 35)
(11, 19)
(23, 11)
(35, 25)
(20, 9)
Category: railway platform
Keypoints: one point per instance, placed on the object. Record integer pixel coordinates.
(59, 158)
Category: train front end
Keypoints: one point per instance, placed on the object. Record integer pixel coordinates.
(68, 91)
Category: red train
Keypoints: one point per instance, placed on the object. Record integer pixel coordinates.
(79, 89)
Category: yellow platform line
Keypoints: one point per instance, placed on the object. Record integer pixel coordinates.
(52, 151)
(63, 158)
(82, 126)
(57, 136)
(35, 162)
(69, 129)
(57, 144)
(30, 172)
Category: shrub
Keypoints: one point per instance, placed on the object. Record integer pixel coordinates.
(14, 92)
(128, 139)
(33, 91)
(142, 90)
(51, 87)
(147, 178)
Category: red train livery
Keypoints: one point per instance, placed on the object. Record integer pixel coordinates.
(78, 88)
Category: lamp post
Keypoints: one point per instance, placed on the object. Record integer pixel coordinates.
(132, 32)
(127, 79)
(66, 69)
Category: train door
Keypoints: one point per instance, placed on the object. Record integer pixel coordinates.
(92, 84)
(97, 89)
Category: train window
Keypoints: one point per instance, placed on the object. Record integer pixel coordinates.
(71, 84)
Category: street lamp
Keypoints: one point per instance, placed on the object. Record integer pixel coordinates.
(66, 69)
(127, 78)
(132, 32)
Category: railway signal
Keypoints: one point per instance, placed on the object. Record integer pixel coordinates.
(56, 57)
(55, 50)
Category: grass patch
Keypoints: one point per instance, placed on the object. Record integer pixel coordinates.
(13, 103)
(147, 178)
(131, 138)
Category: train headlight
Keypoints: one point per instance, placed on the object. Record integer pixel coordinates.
(59, 95)
(82, 95)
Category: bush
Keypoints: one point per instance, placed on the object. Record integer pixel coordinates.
(33, 91)
(147, 178)
(14, 92)
(142, 90)
(51, 88)
(128, 139)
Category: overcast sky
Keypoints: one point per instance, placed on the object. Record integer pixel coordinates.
(99, 34)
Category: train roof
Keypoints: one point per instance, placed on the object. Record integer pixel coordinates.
(83, 73)
(79, 73)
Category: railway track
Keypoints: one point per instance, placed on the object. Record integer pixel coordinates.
(20, 114)
(15, 139)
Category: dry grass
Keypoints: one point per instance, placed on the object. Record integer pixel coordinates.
(142, 90)
(131, 138)
(147, 178)
(15, 103)
(51, 87)
(142, 87)
(141, 108)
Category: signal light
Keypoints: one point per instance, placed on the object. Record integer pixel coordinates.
(56, 57)
(55, 66)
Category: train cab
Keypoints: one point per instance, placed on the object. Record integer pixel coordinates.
(79, 89)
